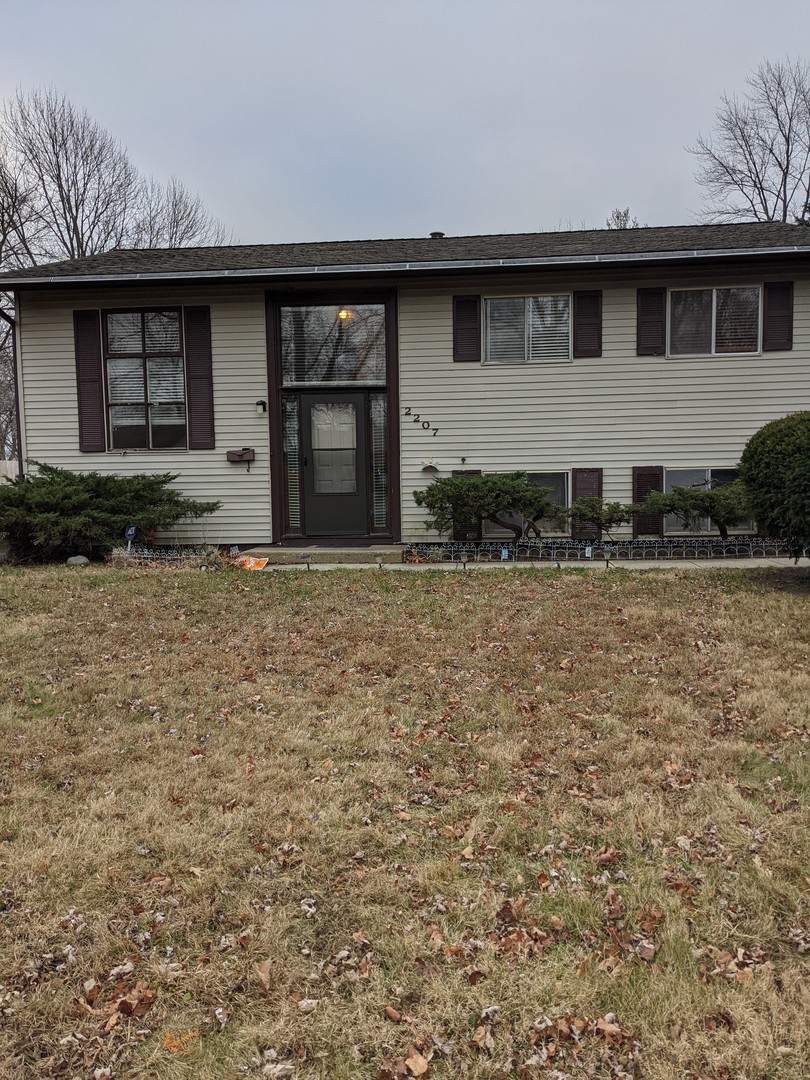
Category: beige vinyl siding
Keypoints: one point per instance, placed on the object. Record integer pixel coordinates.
(239, 352)
(611, 412)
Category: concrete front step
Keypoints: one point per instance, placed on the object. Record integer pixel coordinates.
(315, 553)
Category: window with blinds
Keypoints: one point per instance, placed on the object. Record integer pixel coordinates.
(146, 381)
(292, 460)
(528, 330)
(707, 322)
(379, 460)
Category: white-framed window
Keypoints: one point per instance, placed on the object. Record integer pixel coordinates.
(703, 479)
(558, 485)
(527, 329)
(714, 322)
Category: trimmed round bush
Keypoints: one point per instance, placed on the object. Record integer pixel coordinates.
(775, 468)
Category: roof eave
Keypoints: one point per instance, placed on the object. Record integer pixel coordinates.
(432, 266)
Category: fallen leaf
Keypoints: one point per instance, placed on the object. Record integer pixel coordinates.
(646, 950)
(391, 1069)
(121, 970)
(608, 1029)
(473, 975)
(482, 1038)
(417, 1064)
(263, 972)
(178, 1043)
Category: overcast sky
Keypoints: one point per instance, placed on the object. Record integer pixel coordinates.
(348, 119)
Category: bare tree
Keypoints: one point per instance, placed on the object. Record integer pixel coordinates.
(620, 219)
(8, 411)
(69, 189)
(14, 205)
(82, 193)
(568, 225)
(83, 186)
(173, 216)
(755, 166)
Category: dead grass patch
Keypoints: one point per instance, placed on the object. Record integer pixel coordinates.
(379, 826)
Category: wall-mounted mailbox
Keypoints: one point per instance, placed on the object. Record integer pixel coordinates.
(241, 457)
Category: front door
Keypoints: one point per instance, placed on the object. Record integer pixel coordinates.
(335, 481)
(335, 433)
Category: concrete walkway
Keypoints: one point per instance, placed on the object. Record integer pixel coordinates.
(593, 567)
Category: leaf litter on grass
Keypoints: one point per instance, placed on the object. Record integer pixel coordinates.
(503, 826)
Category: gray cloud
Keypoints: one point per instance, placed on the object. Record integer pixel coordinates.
(316, 120)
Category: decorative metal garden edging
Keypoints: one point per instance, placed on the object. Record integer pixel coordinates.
(672, 548)
(138, 556)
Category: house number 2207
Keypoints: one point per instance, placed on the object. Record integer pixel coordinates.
(417, 419)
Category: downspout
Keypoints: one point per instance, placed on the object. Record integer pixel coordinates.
(18, 426)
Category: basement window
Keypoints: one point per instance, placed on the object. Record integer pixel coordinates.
(703, 480)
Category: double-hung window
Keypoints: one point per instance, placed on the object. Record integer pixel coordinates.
(703, 480)
(527, 329)
(556, 485)
(709, 322)
(146, 381)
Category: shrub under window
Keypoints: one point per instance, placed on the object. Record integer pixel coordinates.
(692, 511)
(56, 513)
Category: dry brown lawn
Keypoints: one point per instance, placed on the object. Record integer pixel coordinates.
(374, 825)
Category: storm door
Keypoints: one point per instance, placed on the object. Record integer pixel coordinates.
(334, 413)
(334, 464)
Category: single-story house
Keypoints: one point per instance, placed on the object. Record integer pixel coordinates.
(311, 388)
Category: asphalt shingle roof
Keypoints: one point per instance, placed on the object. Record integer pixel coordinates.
(426, 252)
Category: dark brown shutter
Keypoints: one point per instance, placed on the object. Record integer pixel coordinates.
(90, 382)
(467, 329)
(647, 478)
(777, 316)
(199, 378)
(588, 323)
(651, 322)
(467, 530)
(585, 483)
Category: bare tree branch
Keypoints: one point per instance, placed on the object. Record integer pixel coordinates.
(620, 219)
(69, 189)
(755, 166)
(83, 185)
(172, 216)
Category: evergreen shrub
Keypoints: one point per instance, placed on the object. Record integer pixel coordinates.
(775, 468)
(55, 513)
